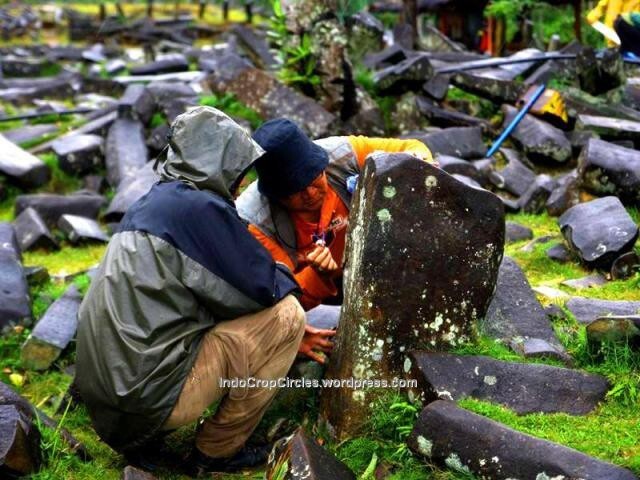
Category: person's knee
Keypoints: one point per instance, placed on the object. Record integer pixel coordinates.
(291, 317)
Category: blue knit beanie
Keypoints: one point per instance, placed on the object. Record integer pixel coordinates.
(291, 160)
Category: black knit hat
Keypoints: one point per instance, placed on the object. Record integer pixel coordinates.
(291, 160)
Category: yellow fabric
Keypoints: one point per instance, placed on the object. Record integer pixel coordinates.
(607, 11)
(364, 146)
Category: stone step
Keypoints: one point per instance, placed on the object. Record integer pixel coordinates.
(522, 387)
(470, 443)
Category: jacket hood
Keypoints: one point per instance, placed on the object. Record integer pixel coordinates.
(208, 151)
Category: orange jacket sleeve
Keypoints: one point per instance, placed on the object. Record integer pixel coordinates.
(314, 287)
(363, 146)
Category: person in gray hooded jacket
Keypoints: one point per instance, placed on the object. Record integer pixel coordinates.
(186, 297)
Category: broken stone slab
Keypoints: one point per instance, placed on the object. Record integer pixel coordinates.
(437, 87)
(616, 329)
(133, 473)
(98, 126)
(28, 411)
(608, 169)
(32, 232)
(15, 305)
(53, 332)
(29, 133)
(452, 436)
(522, 387)
(301, 456)
(137, 103)
(610, 128)
(453, 165)
(565, 195)
(129, 191)
(461, 142)
(559, 253)
(20, 452)
(539, 140)
(115, 66)
(590, 281)
(534, 199)
(51, 206)
(625, 266)
(26, 170)
(515, 177)
(271, 99)
(587, 310)
(255, 46)
(170, 64)
(125, 150)
(408, 75)
(444, 117)
(158, 138)
(81, 229)
(79, 154)
(515, 312)
(435, 311)
(599, 231)
(599, 74)
(514, 232)
(538, 348)
(493, 89)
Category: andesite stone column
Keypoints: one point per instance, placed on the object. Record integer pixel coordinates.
(423, 252)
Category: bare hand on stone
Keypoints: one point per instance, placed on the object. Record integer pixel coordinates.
(315, 342)
(321, 260)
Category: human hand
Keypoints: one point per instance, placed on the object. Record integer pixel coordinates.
(321, 260)
(314, 341)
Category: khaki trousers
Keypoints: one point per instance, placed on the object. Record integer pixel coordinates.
(262, 345)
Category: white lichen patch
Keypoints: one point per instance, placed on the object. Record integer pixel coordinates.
(424, 446)
(384, 215)
(389, 191)
(407, 365)
(544, 476)
(444, 395)
(490, 380)
(430, 182)
(453, 462)
(495, 459)
(358, 396)
(477, 370)
(437, 322)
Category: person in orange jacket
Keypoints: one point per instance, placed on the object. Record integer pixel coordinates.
(299, 208)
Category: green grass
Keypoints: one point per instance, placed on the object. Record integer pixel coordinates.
(541, 270)
(611, 433)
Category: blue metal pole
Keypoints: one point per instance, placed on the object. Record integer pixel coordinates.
(514, 123)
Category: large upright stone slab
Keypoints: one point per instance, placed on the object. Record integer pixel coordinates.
(401, 290)
(15, 305)
(449, 435)
(539, 140)
(125, 151)
(515, 314)
(522, 387)
(53, 332)
(25, 169)
(608, 169)
(599, 231)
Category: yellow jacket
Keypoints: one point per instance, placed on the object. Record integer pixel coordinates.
(610, 9)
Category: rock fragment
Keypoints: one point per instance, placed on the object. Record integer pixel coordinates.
(32, 232)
